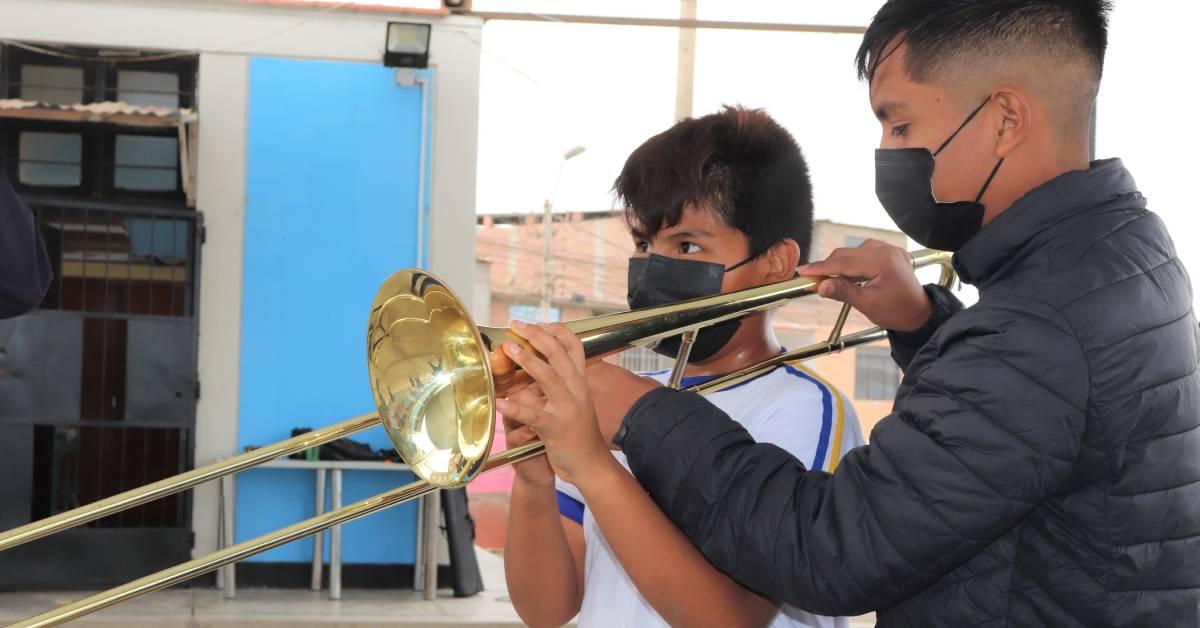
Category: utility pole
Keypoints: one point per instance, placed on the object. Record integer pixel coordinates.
(685, 77)
(547, 291)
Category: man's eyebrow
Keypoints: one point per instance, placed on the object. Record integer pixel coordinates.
(888, 109)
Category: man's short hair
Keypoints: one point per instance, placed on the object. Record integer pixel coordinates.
(738, 163)
(1058, 44)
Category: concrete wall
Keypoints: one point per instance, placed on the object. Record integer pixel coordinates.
(227, 35)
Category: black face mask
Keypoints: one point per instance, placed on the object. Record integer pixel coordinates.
(904, 185)
(657, 280)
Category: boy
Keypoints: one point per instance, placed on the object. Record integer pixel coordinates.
(714, 204)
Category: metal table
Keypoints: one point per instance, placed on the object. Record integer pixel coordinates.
(428, 517)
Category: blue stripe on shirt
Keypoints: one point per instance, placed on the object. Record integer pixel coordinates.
(826, 416)
(570, 507)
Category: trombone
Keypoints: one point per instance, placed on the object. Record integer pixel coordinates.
(435, 376)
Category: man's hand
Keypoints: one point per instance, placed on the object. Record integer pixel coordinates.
(566, 419)
(876, 279)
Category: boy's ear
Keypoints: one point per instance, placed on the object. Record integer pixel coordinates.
(783, 258)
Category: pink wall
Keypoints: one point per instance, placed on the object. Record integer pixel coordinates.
(500, 480)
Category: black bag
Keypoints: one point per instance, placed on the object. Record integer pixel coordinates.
(346, 449)
(460, 536)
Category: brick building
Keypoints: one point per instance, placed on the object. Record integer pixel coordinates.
(589, 263)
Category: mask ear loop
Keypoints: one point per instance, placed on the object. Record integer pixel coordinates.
(743, 262)
(962, 126)
(989, 179)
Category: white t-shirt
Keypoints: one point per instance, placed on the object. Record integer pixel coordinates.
(790, 407)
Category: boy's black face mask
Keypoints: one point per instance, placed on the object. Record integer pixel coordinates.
(657, 280)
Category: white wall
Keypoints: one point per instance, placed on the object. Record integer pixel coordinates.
(226, 34)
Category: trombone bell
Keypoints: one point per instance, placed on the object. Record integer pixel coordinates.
(431, 378)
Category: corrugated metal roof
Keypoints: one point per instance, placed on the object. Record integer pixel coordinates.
(111, 112)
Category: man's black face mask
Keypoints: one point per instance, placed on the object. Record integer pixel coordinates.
(904, 185)
(657, 280)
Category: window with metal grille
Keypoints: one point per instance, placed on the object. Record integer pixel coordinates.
(876, 376)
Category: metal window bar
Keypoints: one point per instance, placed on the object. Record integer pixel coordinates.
(101, 245)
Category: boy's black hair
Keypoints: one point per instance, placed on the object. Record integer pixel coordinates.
(738, 163)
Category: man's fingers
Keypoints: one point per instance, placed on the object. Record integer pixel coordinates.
(839, 289)
(851, 265)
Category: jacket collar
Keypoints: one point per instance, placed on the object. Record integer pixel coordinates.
(1069, 194)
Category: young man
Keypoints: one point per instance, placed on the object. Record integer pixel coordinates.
(714, 204)
(1042, 463)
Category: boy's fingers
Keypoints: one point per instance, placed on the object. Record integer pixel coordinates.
(531, 417)
(528, 397)
(546, 344)
(556, 357)
(520, 436)
(552, 385)
(570, 342)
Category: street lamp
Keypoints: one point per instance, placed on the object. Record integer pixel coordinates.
(547, 218)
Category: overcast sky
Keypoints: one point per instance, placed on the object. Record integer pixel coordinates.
(546, 87)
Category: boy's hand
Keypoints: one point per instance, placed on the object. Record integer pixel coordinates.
(891, 296)
(566, 419)
(534, 471)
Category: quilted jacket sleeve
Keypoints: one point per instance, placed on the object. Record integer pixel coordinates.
(988, 423)
(24, 265)
(905, 345)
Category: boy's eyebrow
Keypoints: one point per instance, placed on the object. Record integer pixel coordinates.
(695, 233)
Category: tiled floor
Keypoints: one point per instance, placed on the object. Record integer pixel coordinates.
(270, 608)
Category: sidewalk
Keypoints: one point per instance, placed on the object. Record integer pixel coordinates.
(205, 608)
(270, 608)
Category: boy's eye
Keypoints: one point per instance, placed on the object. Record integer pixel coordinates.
(688, 248)
(641, 247)
(900, 130)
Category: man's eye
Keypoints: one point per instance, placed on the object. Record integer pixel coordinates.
(900, 130)
(689, 247)
(641, 247)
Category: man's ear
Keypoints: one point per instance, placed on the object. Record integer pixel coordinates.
(1016, 119)
(782, 260)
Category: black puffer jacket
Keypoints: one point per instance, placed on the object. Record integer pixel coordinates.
(1041, 466)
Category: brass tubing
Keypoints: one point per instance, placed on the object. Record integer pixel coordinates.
(193, 568)
(176, 483)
